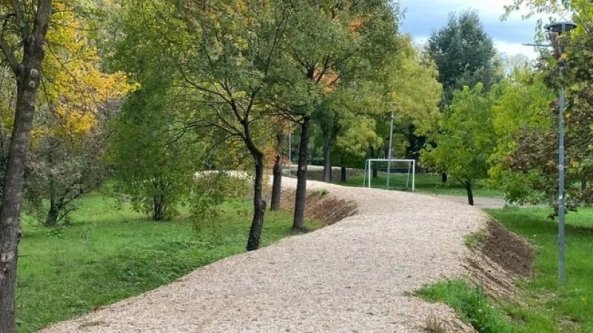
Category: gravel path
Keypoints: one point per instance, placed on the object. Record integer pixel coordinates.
(479, 202)
(353, 276)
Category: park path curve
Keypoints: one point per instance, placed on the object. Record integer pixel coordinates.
(353, 276)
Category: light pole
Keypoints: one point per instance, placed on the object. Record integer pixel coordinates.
(555, 30)
(389, 150)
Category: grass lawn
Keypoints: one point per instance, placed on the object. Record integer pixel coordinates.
(550, 308)
(545, 306)
(424, 183)
(110, 253)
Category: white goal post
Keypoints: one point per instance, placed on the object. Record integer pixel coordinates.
(368, 171)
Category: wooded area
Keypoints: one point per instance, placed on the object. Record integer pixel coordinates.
(161, 99)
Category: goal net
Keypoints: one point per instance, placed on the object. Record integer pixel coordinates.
(390, 174)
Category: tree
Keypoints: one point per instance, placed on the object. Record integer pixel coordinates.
(463, 146)
(152, 166)
(524, 162)
(282, 129)
(331, 43)
(224, 53)
(535, 156)
(22, 41)
(69, 131)
(408, 87)
(463, 53)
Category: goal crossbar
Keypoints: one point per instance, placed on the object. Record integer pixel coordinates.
(368, 169)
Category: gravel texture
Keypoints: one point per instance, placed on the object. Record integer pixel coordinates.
(354, 276)
(479, 202)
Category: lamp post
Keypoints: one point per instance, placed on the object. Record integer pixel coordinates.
(389, 151)
(555, 30)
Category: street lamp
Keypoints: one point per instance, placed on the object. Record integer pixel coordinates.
(555, 31)
(389, 151)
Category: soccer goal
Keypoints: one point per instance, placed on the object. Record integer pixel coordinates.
(395, 173)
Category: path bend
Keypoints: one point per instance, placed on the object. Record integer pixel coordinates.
(353, 276)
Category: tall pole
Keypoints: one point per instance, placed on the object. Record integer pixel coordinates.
(555, 31)
(561, 194)
(389, 151)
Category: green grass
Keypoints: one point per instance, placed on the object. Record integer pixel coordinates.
(551, 308)
(424, 183)
(470, 303)
(108, 254)
(544, 307)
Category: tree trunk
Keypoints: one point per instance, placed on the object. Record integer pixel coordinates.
(470, 194)
(583, 185)
(28, 74)
(343, 174)
(10, 208)
(301, 191)
(259, 204)
(157, 207)
(327, 162)
(444, 177)
(375, 170)
(277, 184)
(54, 211)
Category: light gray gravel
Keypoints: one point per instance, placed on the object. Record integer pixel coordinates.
(353, 276)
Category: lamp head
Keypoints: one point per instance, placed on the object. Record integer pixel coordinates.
(555, 31)
(560, 27)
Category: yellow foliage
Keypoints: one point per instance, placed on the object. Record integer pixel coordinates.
(356, 25)
(328, 79)
(76, 88)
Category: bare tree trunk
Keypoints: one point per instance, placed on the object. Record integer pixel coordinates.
(327, 162)
(444, 177)
(343, 175)
(157, 208)
(259, 204)
(470, 194)
(301, 191)
(54, 211)
(277, 184)
(28, 74)
(10, 208)
(375, 170)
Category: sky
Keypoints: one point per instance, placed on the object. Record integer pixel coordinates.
(422, 17)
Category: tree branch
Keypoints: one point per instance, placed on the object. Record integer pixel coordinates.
(9, 55)
(42, 19)
(21, 23)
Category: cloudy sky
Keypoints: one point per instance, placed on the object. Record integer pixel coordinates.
(422, 17)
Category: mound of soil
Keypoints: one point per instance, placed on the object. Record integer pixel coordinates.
(500, 258)
(321, 206)
(508, 250)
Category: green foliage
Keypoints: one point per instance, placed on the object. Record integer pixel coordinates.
(464, 54)
(210, 190)
(535, 151)
(408, 88)
(152, 166)
(470, 303)
(109, 254)
(524, 162)
(464, 142)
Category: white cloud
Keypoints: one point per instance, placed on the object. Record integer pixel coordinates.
(510, 49)
(507, 35)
